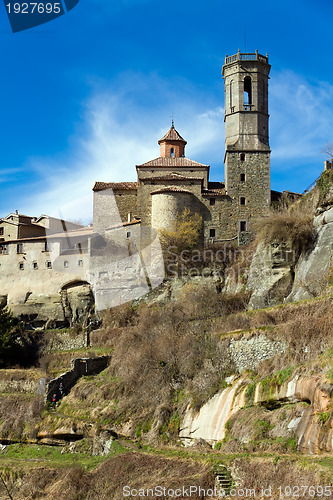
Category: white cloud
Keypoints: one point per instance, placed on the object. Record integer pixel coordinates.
(301, 117)
(121, 125)
(123, 120)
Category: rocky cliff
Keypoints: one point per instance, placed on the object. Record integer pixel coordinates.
(284, 272)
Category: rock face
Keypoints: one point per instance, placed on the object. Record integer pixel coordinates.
(209, 422)
(271, 275)
(71, 304)
(312, 267)
(313, 427)
(276, 274)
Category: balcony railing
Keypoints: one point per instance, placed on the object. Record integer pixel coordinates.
(253, 56)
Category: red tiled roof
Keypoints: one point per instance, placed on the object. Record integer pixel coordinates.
(163, 161)
(215, 189)
(172, 135)
(171, 189)
(172, 177)
(101, 186)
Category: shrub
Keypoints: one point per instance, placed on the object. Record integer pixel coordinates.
(323, 417)
(16, 346)
(261, 429)
(184, 236)
(324, 184)
(293, 228)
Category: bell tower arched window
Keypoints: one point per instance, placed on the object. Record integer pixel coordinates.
(172, 152)
(247, 91)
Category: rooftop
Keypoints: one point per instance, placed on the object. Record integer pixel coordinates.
(128, 186)
(163, 161)
(172, 135)
(246, 56)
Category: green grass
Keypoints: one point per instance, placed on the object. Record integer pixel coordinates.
(26, 456)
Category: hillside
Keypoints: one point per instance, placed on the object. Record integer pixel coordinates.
(204, 386)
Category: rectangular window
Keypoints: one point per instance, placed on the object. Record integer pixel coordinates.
(242, 200)
(21, 266)
(212, 201)
(128, 234)
(242, 177)
(46, 247)
(35, 265)
(1, 231)
(212, 233)
(4, 249)
(49, 264)
(20, 248)
(242, 226)
(80, 263)
(66, 263)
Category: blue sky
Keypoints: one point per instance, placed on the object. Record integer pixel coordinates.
(87, 96)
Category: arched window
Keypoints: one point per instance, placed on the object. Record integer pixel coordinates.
(172, 152)
(242, 157)
(247, 91)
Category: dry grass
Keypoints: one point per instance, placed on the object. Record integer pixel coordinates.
(136, 470)
(292, 226)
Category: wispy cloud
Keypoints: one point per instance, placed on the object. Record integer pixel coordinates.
(121, 124)
(123, 119)
(301, 117)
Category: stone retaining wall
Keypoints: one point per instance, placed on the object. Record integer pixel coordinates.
(249, 352)
(80, 367)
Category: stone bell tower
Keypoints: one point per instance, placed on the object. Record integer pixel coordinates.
(247, 151)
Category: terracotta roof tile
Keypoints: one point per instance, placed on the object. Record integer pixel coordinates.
(172, 135)
(163, 161)
(172, 177)
(171, 189)
(101, 186)
(215, 189)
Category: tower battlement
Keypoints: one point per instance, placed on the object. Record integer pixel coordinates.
(246, 56)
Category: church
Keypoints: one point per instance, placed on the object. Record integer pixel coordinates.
(170, 183)
(45, 262)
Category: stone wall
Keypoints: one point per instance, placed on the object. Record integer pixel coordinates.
(63, 341)
(248, 353)
(255, 189)
(80, 367)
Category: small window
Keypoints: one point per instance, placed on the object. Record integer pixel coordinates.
(242, 200)
(212, 201)
(80, 263)
(4, 249)
(46, 246)
(21, 266)
(242, 157)
(242, 177)
(66, 264)
(212, 233)
(1, 231)
(20, 248)
(35, 265)
(247, 91)
(242, 225)
(128, 234)
(172, 152)
(49, 264)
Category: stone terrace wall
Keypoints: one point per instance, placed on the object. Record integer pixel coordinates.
(80, 367)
